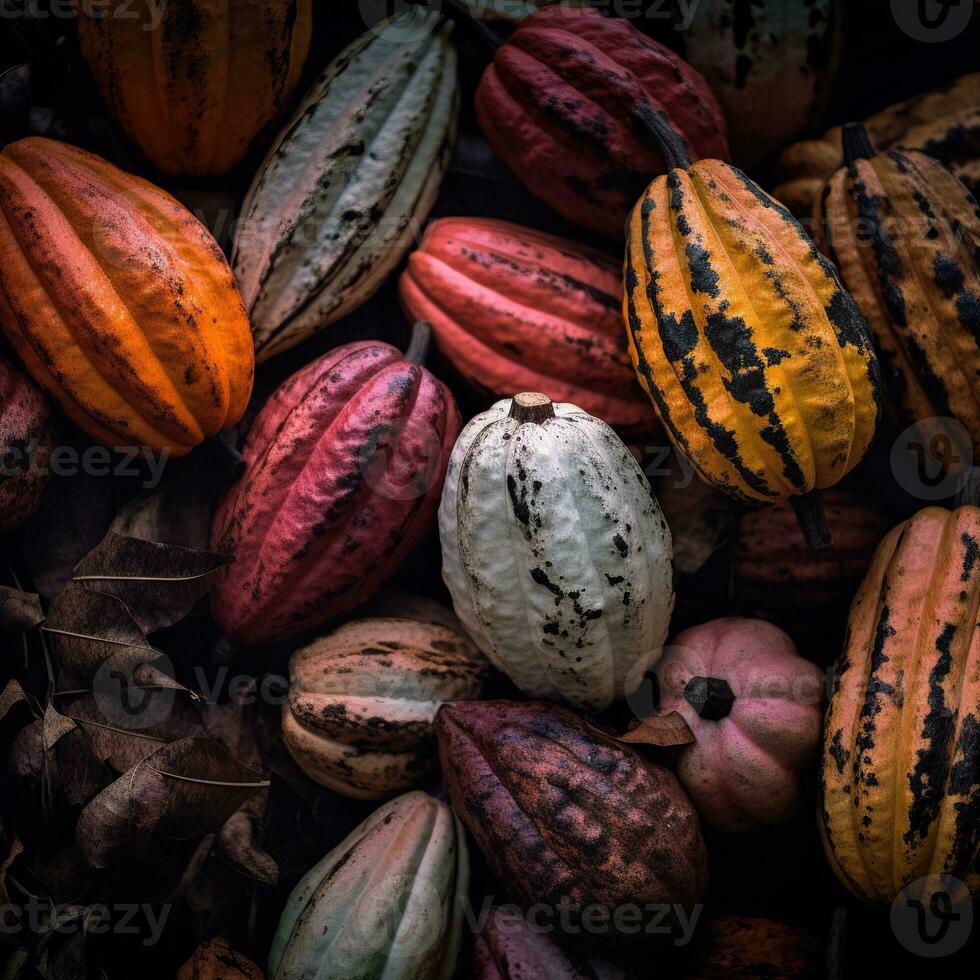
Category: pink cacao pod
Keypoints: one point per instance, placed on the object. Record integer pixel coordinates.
(569, 819)
(344, 468)
(24, 432)
(558, 103)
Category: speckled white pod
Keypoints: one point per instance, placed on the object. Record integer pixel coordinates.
(556, 553)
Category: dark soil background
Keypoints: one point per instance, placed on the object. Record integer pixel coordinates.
(779, 871)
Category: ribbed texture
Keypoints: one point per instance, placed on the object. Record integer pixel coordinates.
(758, 362)
(347, 185)
(23, 430)
(900, 787)
(556, 554)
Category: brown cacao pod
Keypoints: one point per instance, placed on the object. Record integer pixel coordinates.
(216, 960)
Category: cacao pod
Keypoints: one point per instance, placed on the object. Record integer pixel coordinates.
(570, 820)
(386, 901)
(193, 83)
(118, 301)
(905, 234)
(517, 310)
(348, 183)
(507, 947)
(754, 708)
(900, 775)
(753, 947)
(362, 700)
(343, 469)
(25, 440)
(555, 552)
(216, 960)
(757, 360)
(556, 105)
(942, 123)
(771, 68)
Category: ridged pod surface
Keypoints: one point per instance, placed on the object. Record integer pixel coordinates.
(347, 185)
(362, 700)
(905, 234)
(508, 947)
(344, 466)
(569, 819)
(517, 310)
(556, 105)
(775, 569)
(943, 124)
(193, 83)
(24, 430)
(118, 301)
(757, 360)
(771, 64)
(900, 775)
(385, 902)
(754, 738)
(555, 552)
(216, 960)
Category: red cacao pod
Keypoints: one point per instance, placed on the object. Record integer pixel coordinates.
(556, 104)
(23, 434)
(517, 310)
(570, 820)
(344, 468)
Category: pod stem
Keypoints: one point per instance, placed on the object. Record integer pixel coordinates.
(856, 142)
(459, 13)
(531, 406)
(418, 346)
(710, 697)
(657, 128)
(813, 524)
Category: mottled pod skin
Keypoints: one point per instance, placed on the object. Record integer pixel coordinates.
(192, 83)
(744, 768)
(508, 948)
(23, 431)
(348, 184)
(905, 234)
(568, 818)
(344, 466)
(752, 947)
(362, 700)
(556, 105)
(387, 901)
(216, 960)
(757, 360)
(900, 775)
(555, 551)
(118, 301)
(517, 310)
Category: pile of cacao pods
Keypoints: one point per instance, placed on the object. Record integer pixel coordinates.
(488, 490)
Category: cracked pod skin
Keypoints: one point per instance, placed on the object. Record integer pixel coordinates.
(344, 466)
(757, 360)
(362, 700)
(567, 817)
(555, 552)
(23, 429)
(387, 901)
(193, 90)
(751, 746)
(905, 234)
(555, 104)
(118, 301)
(900, 770)
(514, 309)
